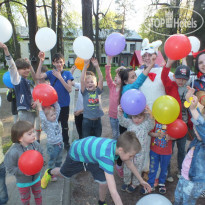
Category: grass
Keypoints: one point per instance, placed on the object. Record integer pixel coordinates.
(7, 146)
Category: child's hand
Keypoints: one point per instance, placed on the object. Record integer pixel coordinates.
(120, 111)
(38, 104)
(148, 111)
(41, 56)
(169, 63)
(2, 45)
(73, 69)
(169, 138)
(56, 73)
(77, 113)
(189, 93)
(146, 186)
(194, 103)
(95, 62)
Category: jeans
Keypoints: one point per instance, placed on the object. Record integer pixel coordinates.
(115, 128)
(92, 127)
(187, 192)
(155, 160)
(63, 118)
(55, 153)
(3, 188)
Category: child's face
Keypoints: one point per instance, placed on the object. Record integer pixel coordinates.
(24, 72)
(124, 156)
(146, 58)
(59, 64)
(180, 82)
(90, 83)
(28, 137)
(131, 77)
(51, 115)
(201, 63)
(117, 79)
(138, 119)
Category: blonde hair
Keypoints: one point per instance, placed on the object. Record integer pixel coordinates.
(201, 97)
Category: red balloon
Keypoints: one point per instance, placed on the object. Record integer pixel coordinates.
(177, 129)
(177, 46)
(45, 93)
(30, 162)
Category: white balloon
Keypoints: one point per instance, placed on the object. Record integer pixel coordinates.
(45, 39)
(83, 47)
(195, 44)
(5, 29)
(154, 199)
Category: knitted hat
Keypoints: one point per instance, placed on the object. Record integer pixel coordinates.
(150, 47)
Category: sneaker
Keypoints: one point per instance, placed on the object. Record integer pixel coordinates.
(54, 178)
(144, 191)
(162, 189)
(45, 179)
(170, 179)
(119, 171)
(130, 189)
(124, 187)
(156, 182)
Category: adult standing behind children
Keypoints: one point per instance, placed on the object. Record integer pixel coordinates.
(19, 72)
(91, 90)
(61, 80)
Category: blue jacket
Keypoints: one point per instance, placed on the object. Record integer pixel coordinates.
(197, 168)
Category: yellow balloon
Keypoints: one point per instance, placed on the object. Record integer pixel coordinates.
(165, 109)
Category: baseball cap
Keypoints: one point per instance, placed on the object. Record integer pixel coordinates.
(183, 72)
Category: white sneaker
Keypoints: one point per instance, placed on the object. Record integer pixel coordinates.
(170, 179)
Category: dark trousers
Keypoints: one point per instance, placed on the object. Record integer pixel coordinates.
(63, 118)
(78, 124)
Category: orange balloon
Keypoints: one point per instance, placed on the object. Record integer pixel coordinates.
(79, 63)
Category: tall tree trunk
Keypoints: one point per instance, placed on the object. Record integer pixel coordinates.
(46, 14)
(16, 46)
(97, 31)
(60, 46)
(53, 25)
(87, 23)
(32, 22)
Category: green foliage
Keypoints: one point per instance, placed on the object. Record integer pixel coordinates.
(7, 146)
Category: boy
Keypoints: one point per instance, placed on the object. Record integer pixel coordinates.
(19, 71)
(92, 112)
(62, 82)
(98, 156)
(178, 90)
(49, 122)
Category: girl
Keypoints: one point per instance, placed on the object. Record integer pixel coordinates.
(114, 94)
(129, 80)
(192, 181)
(141, 124)
(23, 136)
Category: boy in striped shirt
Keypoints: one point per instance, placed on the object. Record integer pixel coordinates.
(98, 155)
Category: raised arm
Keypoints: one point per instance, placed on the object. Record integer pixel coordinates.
(100, 76)
(83, 75)
(40, 75)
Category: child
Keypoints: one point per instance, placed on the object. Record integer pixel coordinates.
(23, 136)
(3, 188)
(114, 94)
(11, 97)
(141, 124)
(49, 122)
(19, 72)
(62, 82)
(98, 157)
(192, 181)
(160, 153)
(129, 80)
(177, 89)
(92, 112)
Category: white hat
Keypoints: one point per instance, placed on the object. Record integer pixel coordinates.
(150, 47)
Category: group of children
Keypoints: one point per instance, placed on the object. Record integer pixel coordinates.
(138, 145)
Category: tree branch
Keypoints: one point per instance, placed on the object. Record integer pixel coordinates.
(12, 1)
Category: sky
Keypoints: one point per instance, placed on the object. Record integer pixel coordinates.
(133, 22)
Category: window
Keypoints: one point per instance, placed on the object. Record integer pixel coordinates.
(132, 47)
(115, 60)
(103, 60)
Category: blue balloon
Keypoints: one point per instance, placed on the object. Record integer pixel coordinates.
(7, 80)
